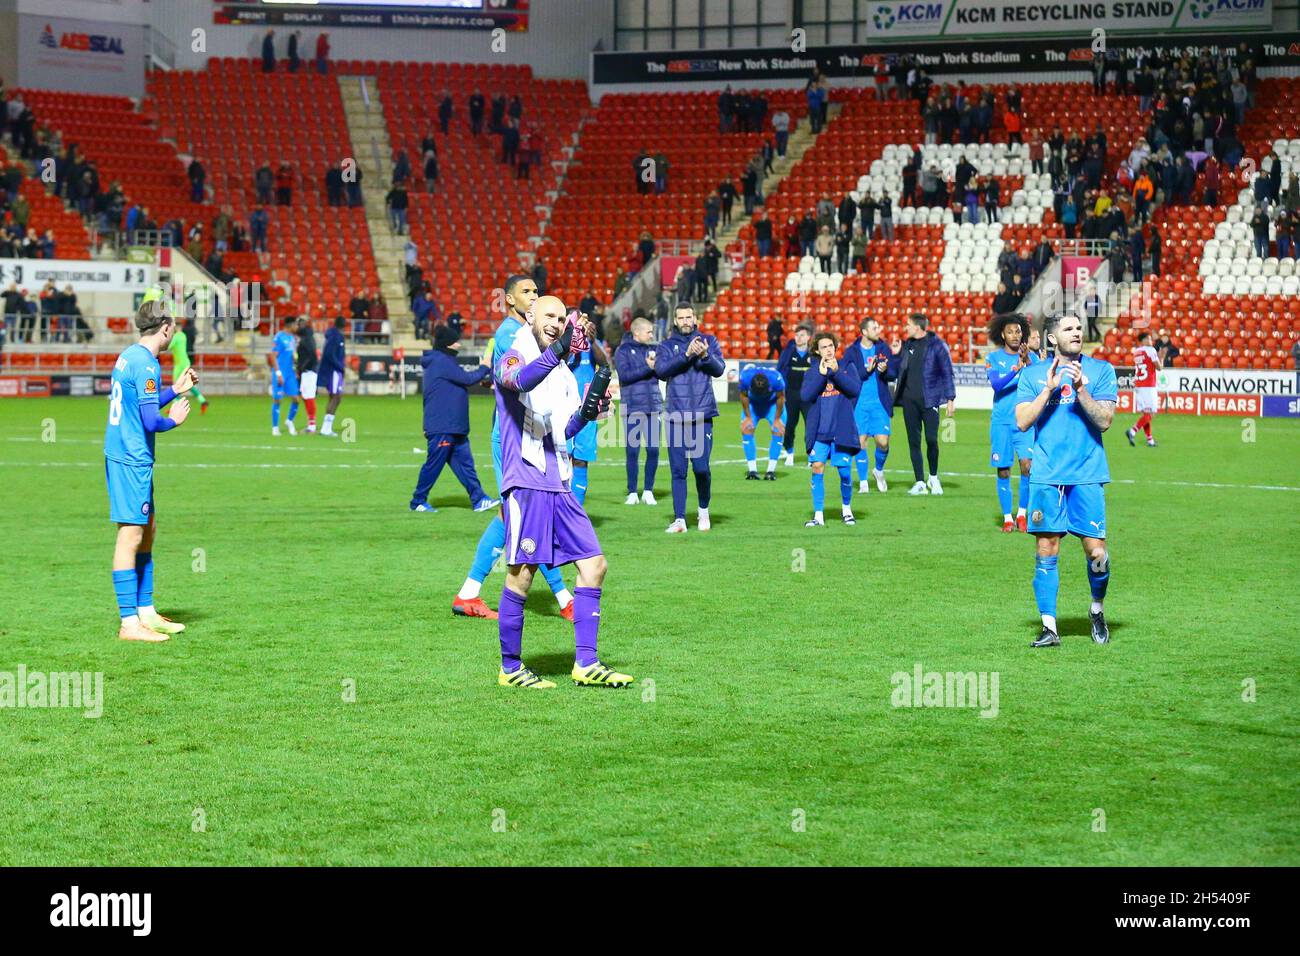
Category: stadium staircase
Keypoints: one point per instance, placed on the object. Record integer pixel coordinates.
(363, 109)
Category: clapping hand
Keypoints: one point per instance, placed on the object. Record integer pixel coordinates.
(180, 410)
(185, 381)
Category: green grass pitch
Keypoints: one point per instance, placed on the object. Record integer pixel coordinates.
(769, 735)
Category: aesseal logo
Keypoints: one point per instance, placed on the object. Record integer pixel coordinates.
(82, 42)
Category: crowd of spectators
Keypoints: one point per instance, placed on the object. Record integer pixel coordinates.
(51, 315)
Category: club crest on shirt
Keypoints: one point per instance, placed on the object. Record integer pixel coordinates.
(512, 361)
(150, 386)
(144, 508)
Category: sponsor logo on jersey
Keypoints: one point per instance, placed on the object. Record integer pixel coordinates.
(150, 386)
(528, 546)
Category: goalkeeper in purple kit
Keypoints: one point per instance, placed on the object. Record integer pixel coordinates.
(540, 408)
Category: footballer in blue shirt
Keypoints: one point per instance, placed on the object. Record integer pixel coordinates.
(582, 446)
(762, 396)
(134, 402)
(1069, 401)
(1011, 354)
(284, 375)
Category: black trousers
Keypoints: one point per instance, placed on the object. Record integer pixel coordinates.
(914, 416)
(793, 409)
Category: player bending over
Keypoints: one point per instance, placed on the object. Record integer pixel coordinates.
(134, 401)
(762, 396)
(869, 356)
(1146, 398)
(829, 391)
(520, 293)
(539, 408)
(1069, 400)
(1007, 443)
(181, 360)
(333, 357)
(284, 375)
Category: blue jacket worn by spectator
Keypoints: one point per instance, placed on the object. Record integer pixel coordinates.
(446, 392)
(853, 358)
(690, 380)
(829, 402)
(937, 381)
(333, 354)
(638, 386)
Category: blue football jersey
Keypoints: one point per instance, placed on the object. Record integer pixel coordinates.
(1067, 446)
(137, 380)
(998, 363)
(869, 398)
(285, 347)
(584, 369)
(776, 385)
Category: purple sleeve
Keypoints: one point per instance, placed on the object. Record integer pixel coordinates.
(514, 373)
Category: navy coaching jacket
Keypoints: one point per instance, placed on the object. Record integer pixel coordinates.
(690, 381)
(446, 392)
(638, 387)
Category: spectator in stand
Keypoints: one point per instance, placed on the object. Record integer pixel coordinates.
(258, 221)
(1137, 253)
(263, 181)
(1092, 312)
(781, 129)
(476, 105)
(843, 242)
(910, 171)
(1259, 226)
(1210, 178)
(726, 196)
(1004, 301)
(1166, 349)
(497, 113)
(807, 233)
(885, 205)
(197, 176)
(292, 57)
(426, 313)
(1153, 248)
(47, 245)
(749, 189)
(531, 152)
(397, 202)
(824, 248)
(221, 223)
(763, 234)
(352, 186)
(401, 168)
(713, 212)
(268, 52)
(379, 314)
(446, 107)
(712, 257)
(661, 173)
(359, 308)
(684, 284)
(333, 186)
(858, 251)
(774, 333)
(1011, 121)
(790, 233)
(323, 54)
(816, 101)
(726, 110)
(867, 214)
(992, 199)
(194, 245)
(701, 293)
(540, 276)
(1143, 191)
(645, 246)
(515, 110)
(431, 171)
(1043, 255)
(284, 185)
(510, 142)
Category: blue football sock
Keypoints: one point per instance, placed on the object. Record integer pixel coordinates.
(579, 485)
(125, 586)
(275, 414)
(881, 455)
(1099, 576)
(553, 577)
(819, 491)
(750, 447)
(861, 459)
(774, 450)
(1024, 492)
(293, 410)
(490, 545)
(1047, 581)
(846, 485)
(144, 579)
(1004, 494)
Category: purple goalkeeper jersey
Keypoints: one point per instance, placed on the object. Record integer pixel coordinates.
(513, 374)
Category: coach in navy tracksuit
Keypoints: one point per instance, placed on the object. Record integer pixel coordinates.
(640, 404)
(793, 364)
(922, 368)
(689, 361)
(446, 420)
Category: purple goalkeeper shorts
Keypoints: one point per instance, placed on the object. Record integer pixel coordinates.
(546, 527)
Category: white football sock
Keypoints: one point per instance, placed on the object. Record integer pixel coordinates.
(704, 512)
(1020, 512)
(130, 619)
(1006, 517)
(771, 465)
(819, 516)
(1095, 607)
(1049, 622)
(563, 597)
(329, 423)
(146, 609)
(470, 589)
(753, 466)
(846, 509)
